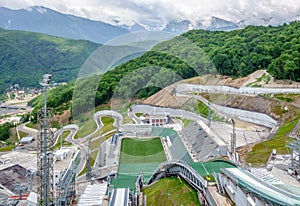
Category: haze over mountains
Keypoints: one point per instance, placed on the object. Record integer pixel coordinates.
(33, 53)
(175, 16)
(44, 20)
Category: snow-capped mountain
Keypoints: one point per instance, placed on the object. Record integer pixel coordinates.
(179, 27)
(44, 20)
(221, 24)
(48, 21)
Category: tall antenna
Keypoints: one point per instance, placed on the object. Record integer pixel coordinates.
(45, 155)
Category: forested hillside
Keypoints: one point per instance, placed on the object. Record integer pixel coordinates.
(244, 51)
(236, 53)
(26, 56)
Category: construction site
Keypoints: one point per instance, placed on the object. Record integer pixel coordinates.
(165, 136)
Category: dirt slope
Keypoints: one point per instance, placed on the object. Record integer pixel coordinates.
(166, 98)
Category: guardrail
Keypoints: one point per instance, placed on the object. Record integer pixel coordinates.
(182, 169)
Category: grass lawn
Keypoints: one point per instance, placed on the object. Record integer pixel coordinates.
(138, 114)
(62, 138)
(171, 191)
(33, 126)
(89, 127)
(186, 122)
(8, 148)
(261, 151)
(108, 124)
(204, 111)
(13, 138)
(93, 157)
(141, 151)
(95, 143)
(22, 134)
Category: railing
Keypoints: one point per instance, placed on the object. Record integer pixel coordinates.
(182, 169)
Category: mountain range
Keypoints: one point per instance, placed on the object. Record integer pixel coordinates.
(26, 56)
(47, 21)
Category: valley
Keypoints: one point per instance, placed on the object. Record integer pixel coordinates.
(214, 112)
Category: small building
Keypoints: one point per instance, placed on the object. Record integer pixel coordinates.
(5, 161)
(137, 130)
(26, 140)
(62, 154)
(32, 199)
(94, 195)
(156, 119)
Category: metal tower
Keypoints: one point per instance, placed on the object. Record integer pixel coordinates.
(66, 184)
(233, 141)
(88, 161)
(295, 164)
(209, 115)
(45, 155)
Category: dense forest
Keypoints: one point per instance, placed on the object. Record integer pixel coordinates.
(26, 56)
(236, 53)
(241, 52)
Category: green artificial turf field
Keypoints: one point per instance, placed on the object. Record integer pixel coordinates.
(141, 151)
(138, 155)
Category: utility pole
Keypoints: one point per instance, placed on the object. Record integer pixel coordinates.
(45, 155)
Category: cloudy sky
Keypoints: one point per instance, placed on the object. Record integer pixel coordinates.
(158, 11)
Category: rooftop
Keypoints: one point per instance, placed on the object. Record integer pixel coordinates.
(26, 139)
(26, 160)
(13, 175)
(64, 163)
(93, 195)
(265, 190)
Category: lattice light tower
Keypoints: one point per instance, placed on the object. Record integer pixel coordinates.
(233, 141)
(45, 155)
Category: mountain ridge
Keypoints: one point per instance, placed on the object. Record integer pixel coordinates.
(47, 21)
(26, 56)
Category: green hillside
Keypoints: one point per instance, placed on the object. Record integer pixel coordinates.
(26, 56)
(171, 191)
(236, 53)
(241, 52)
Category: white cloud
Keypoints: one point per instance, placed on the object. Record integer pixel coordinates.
(160, 11)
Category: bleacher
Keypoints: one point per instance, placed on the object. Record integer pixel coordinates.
(177, 149)
(202, 145)
(163, 132)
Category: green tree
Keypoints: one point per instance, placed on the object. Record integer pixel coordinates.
(5, 131)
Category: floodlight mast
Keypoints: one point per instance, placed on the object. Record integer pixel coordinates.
(233, 141)
(45, 156)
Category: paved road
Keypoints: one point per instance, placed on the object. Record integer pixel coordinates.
(248, 116)
(76, 142)
(29, 131)
(182, 88)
